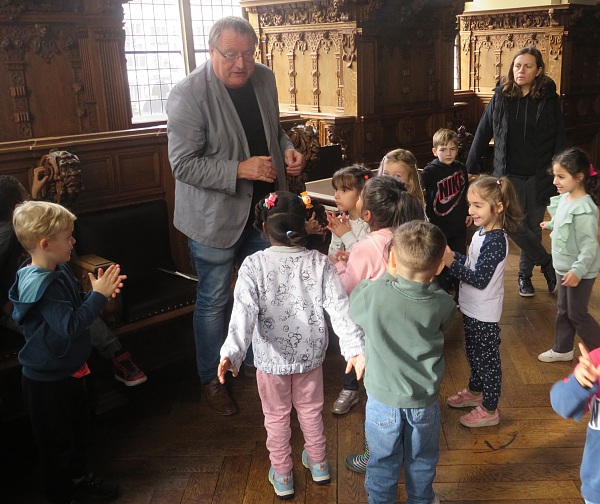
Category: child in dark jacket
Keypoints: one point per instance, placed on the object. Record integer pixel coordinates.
(56, 316)
(572, 398)
(12, 255)
(445, 182)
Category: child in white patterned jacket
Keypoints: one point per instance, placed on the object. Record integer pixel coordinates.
(280, 297)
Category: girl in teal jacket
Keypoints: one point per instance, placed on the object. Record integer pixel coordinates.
(575, 251)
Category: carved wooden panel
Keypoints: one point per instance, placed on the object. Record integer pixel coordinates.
(351, 66)
(139, 170)
(62, 68)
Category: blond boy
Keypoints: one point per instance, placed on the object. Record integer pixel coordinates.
(56, 315)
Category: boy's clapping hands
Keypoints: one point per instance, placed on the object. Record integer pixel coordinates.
(109, 282)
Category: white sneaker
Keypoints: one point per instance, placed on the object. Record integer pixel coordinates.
(552, 356)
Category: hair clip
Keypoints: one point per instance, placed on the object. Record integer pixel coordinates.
(270, 201)
(593, 172)
(305, 199)
(288, 234)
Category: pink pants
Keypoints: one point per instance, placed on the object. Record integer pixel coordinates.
(278, 393)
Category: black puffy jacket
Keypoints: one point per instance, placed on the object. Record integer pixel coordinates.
(550, 133)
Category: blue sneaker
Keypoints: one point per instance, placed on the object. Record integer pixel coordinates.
(283, 484)
(319, 472)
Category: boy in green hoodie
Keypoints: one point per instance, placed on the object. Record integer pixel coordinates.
(403, 315)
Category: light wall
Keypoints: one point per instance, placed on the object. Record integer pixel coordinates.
(482, 5)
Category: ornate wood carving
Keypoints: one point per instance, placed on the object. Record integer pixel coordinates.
(70, 38)
(14, 8)
(45, 41)
(342, 135)
(65, 182)
(290, 41)
(339, 72)
(305, 139)
(314, 40)
(349, 48)
(316, 12)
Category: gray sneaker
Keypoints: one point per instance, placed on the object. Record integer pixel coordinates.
(345, 401)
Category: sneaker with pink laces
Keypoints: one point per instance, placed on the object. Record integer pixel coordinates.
(464, 399)
(480, 418)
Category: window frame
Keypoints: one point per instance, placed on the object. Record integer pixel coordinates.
(190, 14)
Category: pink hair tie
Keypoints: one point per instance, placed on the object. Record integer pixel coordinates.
(499, 182)
(270, 201)
(593, 172)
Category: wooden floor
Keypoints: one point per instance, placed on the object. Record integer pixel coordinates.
(165, 446)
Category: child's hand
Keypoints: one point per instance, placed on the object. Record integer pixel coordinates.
(448, 256)
(224, 366)
(339, 226)
(313, 226)
(543, 224)
(468, 221)
(570, 280)
(39, 179)
(340, 255)
(109, 282)
(586, 373)
(358, 363)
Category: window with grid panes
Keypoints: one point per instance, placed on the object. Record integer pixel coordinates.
(164, 40)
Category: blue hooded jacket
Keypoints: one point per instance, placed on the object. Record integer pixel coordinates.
(571, 400)
(56, 316)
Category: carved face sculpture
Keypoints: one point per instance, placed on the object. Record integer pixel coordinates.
(64, 177)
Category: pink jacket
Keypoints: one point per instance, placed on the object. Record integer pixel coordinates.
(367, 260)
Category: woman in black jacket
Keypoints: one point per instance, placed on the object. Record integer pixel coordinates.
(526, 122)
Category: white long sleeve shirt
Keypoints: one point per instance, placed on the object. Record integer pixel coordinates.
(280, 297)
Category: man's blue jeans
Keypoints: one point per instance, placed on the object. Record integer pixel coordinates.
(214, 269)
(396, 436)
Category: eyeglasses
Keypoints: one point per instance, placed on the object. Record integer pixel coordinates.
(248, 57)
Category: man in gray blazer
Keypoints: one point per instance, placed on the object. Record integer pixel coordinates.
(227, 152)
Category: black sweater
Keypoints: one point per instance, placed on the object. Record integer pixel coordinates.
(445, 188)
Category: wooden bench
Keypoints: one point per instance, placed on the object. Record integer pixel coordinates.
(137, 238)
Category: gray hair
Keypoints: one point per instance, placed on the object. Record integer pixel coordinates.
(235, 23)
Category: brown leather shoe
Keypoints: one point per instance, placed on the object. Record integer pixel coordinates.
(218, 398)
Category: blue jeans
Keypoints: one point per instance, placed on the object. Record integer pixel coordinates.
(214, 269)
(396, 436)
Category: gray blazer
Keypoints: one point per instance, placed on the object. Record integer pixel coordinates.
(206, 143)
